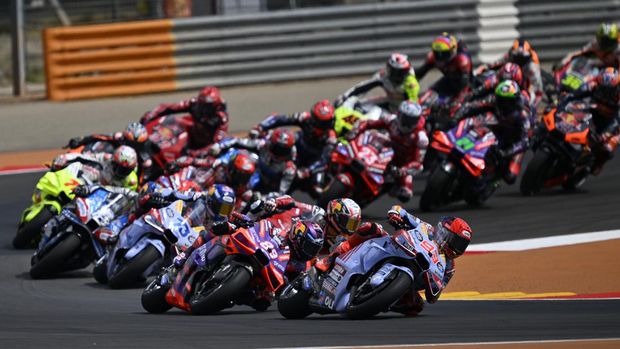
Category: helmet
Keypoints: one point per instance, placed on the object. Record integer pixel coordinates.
(206, 105)
(345, 215)
(452, 236)
(607, 87)
(511, 71)
(322, 115)
(241, 167)
(408, 116)
(397, 68)
(607, 37)
(520, 53)
(124, 161)
(444, 47)
(220, 202)
(281, 143)
(305, 240)
(136, 132)
(507, 95)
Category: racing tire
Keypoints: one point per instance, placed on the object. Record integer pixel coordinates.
(535, 173)
(336, 189)
(224, 292)
(130, 274)
(293, 302)
(30, 233)
(434, 193)
(100, 272)
(53, 261)
(153, 298)
(386, 296)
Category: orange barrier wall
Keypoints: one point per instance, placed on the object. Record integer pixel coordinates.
(109, 59)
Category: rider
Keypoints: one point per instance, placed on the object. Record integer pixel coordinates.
(451, 236)
(452, 58)
(409, 141)
(208, 123)
(117, 169)
(398, 80)
(604, 92)
(523, 55)
(507, 114)
(135, 136)
(276, 159)
(234, 170)
(509, 71)
(604, 47)
(344, 229)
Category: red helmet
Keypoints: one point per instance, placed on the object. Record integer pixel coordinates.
(453, 236)
(607, 89)
(281, 144)
(322, 115)
(397, 68)
(511, 71)
(206, 106)
(241, 167)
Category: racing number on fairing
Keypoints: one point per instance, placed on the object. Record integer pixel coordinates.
(269, 247)
(430, 248)
(465, 143)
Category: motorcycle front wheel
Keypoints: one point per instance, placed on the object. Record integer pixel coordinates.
(367, 302)
(293, 301)
(536, 173)
(52, 262)
(30, 232)
(153, 298)
(435, 192)
(131, 272)
(219, 289)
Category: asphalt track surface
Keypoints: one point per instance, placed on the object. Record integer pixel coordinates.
(74, 311)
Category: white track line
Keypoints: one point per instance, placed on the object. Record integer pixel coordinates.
(465, 344)
(22, 171)
(551, 241)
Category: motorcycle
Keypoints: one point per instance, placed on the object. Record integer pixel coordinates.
(149, 242)
(223, 272)
(359, 168)
(562, 154)
(461, 173)
(169, 138)
(69, 241)
(52, 192)
(367, 280)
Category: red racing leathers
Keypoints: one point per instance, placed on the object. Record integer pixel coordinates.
(409, 150)
(457, 74)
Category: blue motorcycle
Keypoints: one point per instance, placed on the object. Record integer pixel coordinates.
(69, 241)
(366, 280)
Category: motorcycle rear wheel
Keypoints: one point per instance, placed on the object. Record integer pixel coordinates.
(336, 189)
(380, 301)
(30, 232)
(212, 296)
(131, 273)
(52, 262)
(293, 301)
(535, 173)
(153, 298)
(435, 192)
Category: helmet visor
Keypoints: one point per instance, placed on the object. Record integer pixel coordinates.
(397, 76)
(280, 152)
(310, 248)
(121, 171)
(453, 243)
(442, 56)
(607, 44)
(349, 224)
(323, 124)
(222, 209)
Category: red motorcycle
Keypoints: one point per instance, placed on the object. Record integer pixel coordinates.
(170, 137)
(359, 169)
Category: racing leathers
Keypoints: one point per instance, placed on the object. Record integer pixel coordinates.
(409, 151)
(532, 83)
(457, 74)
(200, 134)
(605, 134)
(395, 94)
(592, 50)
(275, 175)
(511, 130)
(411, 303)
(97, 169)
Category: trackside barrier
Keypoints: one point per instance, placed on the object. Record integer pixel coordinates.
(151, 56)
